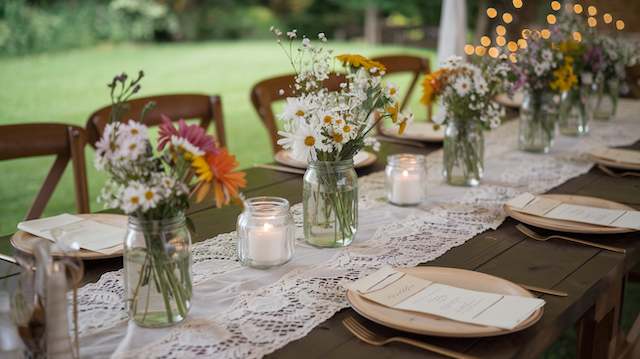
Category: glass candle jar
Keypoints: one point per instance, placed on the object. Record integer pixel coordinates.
(406, 179)
(266, 232)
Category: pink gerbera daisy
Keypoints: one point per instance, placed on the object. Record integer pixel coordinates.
(195, 134)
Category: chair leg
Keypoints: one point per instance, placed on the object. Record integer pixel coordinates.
(77, 145)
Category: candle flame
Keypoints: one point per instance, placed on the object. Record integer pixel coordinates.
(405, 173)
(267, 226)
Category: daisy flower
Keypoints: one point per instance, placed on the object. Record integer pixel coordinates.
(295, 109)
(216, 173)
(194, 134)
(182, 145)
(150, 197)
(134, 129)
(132, 198)
(302, 142)
(391, 90)
(462, 85)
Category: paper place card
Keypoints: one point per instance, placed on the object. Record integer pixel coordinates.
(555, 209)
(89, 234)
(617, 155)
(398, 290)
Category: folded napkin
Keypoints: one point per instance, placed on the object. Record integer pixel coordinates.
(88, 234)
(398, 290)
(555, 209)
(617, 155)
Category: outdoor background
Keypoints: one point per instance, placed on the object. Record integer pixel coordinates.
(56, 57)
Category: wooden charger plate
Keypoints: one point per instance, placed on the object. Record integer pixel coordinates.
(24, 241)
(362, 159)
(570, 226)
(615, 164)
(426, 324)
(418, 131)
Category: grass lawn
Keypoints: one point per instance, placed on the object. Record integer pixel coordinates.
(68, 86)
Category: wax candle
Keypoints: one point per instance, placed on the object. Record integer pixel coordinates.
(406, 179)
(406, 188)
(266, 244)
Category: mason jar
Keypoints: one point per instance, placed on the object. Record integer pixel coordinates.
(266, 232)
(157, 271)
(604, 98)
(463, 150)
(330, 203)
(575, 111)
(537, 125)
(406, 179)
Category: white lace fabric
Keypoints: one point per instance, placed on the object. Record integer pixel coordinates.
(240, 312)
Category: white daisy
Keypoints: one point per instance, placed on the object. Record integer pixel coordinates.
(391, 90)
(134, 129)
(130, 148)
(302, 142)
(149, 198)
(132, 198)
(295, 109)
(462, 85)
(182, 145)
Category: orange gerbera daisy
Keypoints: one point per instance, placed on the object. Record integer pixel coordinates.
(431, 86)
(215, 173)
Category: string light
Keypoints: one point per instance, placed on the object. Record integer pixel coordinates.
(501, 41)
(592, 10)
(501, 30)
(512, 46)
(468, 49)
(513, 58)
(577, 36)
(485, 41)
(492, 12)
(494, 52)
(480, 51)
(545, 33)
(551, 19)
(522, 43)
(607, 18)
(620, 25)
(592, 22)
(555, 5)
(517, 4)
(526, 33)
(577, 8)
(507, 18)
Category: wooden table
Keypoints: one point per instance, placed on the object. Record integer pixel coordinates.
(593, 278)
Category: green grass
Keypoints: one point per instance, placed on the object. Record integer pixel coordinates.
(68, 86)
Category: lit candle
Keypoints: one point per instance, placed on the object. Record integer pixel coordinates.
(406, 188)
(266, 244)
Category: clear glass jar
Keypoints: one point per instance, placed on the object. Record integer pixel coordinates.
(157, 271)
(266, 232)
(538, 117)
(463, 149)
(604, 98)
(406, 179)
(575, 111)
(330, 202)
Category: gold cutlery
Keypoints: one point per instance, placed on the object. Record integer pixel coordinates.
(281, 169)
(538, 237)
(532, 288)
(399, 141)
(367, 336)
(7, 258)
(608, 171)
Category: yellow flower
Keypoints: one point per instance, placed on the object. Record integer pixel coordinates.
(202, 169)
(402, 127)
(431, 86)
(393, 111)
(564, 77)
(355, 61)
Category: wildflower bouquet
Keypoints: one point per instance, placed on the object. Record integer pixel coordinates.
(467, 92)
(328, 128)
(153, 186)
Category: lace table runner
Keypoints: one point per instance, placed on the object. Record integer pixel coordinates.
(240, 312)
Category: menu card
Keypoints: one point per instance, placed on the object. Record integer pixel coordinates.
(617, 155)
(91, 235)
(398, 290)
(552, 208)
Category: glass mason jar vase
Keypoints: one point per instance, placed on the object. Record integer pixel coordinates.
(330, 203)
(537, 126)
(463, 148)
(266, 232)
(157, 271)
(406, 179)
(575, 112)
(604, 98)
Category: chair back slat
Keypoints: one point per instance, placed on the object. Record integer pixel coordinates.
(66, 142)
(182, 106)
(266, 92)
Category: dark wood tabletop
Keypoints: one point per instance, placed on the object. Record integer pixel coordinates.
(592, 277)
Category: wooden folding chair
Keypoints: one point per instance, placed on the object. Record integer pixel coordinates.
(67, 142)
(182, 106)
(266, 92)
(396, 64)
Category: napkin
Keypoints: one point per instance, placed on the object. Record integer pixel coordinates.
(398, 290)
(617, 155)
(89, 234)
(555, 209)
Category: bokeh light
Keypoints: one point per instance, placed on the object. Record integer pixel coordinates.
(480, 51)
(592, 22)
(620, 25)
(492, 13)
(501, 30)
(526, 33)
(494, 52)
(577, 8)
(468, 49)
(607, 18)
(577, 36)
(517, 4)
(485, 41)
(507, 18)
(522, 43)
(545, 33)
(592, 10)
(512, 46)
(501, 41)
(551, 19)
(555, 5)
(513, 58)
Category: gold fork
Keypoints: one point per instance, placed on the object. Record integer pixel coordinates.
(608, 171)
(538, 237)
(367, 336)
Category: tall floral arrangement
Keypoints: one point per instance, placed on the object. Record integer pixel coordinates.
(541, 67)
(325, 125)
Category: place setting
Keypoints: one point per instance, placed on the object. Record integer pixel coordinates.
(616, 162)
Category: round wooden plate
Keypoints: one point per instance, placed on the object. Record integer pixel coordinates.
(24, 241)
(418, 131)
(426, 324)
(362, 159)
(507, 101)
(570, 226)
(615, 164)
